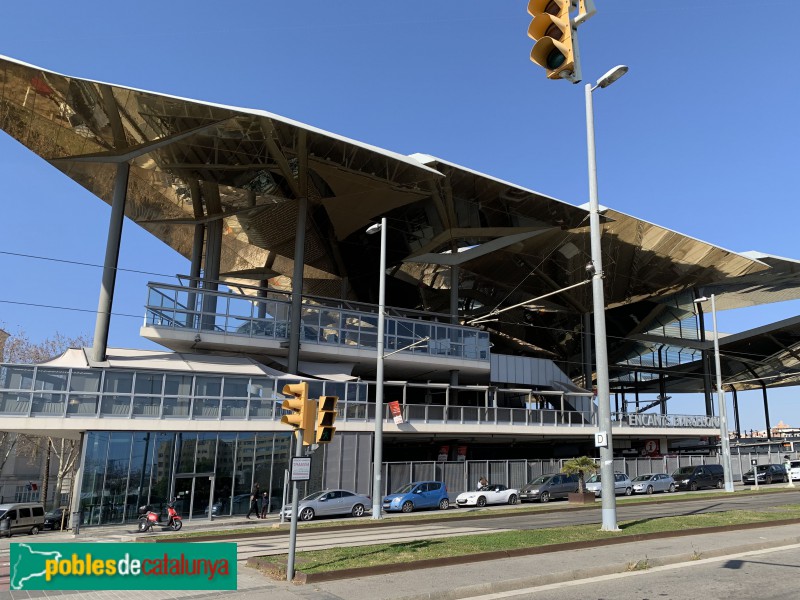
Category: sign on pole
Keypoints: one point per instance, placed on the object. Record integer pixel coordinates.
(301, 468)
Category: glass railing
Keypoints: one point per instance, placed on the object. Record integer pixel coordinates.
(32, 391)
(324, 322)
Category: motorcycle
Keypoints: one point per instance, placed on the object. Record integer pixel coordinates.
(148, 517)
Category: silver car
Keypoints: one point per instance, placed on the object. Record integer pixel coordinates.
(622, 484)
(329, 502)
(653, 482)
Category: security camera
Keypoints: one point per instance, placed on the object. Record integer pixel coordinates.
(197, 339)
(590, 268)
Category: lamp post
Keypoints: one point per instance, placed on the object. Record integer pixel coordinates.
(725, 441)
(377, 451)
(609, 501)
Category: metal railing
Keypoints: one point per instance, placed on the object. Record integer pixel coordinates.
(323, 321)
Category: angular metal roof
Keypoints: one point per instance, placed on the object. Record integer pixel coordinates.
(195, 162)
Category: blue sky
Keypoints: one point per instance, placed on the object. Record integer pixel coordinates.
(700, 136)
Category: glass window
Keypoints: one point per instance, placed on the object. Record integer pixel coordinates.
(117, 406)
(235, 387)
(208, 386)
(38, 511)
(206, 408)
(178, 385)
(51, 379)
(147, 406)
(261, 388)
(176, 407)
(82, 404)
(16, 378)
(84, 381)
(48, 404)
(149, 383)
(186, 444)
(118, 382)
(25, 513)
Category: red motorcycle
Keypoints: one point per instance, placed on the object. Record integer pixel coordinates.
(148, 517)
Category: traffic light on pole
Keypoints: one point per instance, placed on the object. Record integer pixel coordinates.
(326, 417)
(303, 410)
(556, 47)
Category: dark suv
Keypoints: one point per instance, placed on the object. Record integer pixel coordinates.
(699, 476)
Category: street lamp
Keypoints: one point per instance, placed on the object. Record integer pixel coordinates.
(377, 451)
(725, 441)
(609, 501)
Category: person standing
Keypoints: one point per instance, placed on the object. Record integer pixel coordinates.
(253, 506)
(264, 505)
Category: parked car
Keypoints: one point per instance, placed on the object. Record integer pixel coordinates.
(794, 470)
(622, 484)
(695, 477)
(766, 474)
(653, 482)
(329, 502)
(52, 518)
(548, 487)
(488, 494)
(420, 494)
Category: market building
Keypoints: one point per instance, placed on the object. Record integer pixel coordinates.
(487, 347)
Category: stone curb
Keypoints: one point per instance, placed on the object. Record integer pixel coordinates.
(262, 564)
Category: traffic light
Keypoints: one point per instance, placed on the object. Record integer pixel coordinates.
(326, 417)
(303, 410)
(556, 47)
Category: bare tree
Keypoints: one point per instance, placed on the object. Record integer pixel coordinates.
(18, 348)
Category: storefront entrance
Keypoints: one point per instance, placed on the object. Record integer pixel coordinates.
(193, 495)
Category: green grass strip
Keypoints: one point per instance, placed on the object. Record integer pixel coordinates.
(334, 559)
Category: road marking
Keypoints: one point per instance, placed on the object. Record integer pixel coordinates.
(555, 586)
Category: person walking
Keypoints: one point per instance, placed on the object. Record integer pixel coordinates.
(264, 505)
(253, 506)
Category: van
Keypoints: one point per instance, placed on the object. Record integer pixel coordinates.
(699, 476)
(21, 517)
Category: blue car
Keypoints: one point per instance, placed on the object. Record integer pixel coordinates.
(420, 494)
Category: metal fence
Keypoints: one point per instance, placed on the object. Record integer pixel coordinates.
(462, 476)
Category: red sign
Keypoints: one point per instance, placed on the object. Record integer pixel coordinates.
(444, 453)
(397, 414)
(651, 448)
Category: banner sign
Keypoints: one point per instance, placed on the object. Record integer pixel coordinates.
(648, 420)
(123, 566)
(397, 414)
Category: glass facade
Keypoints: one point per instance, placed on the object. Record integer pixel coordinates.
(209, 473)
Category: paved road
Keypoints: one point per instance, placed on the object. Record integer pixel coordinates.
(314, 540)
(765, 574)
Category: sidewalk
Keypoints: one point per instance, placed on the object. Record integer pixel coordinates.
(473, 579)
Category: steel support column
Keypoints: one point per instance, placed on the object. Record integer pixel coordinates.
(106, 299)
(736, 412)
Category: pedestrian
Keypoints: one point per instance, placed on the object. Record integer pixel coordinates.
(482, 482)
(264, 505)
(253, 506)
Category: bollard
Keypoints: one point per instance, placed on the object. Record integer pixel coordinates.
(76, 523)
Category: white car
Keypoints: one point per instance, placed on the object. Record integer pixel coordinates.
(794, 470)
(488, 494)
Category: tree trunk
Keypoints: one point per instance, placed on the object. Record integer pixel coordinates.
(46, 474)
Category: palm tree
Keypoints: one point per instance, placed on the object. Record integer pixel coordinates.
(579, 466)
